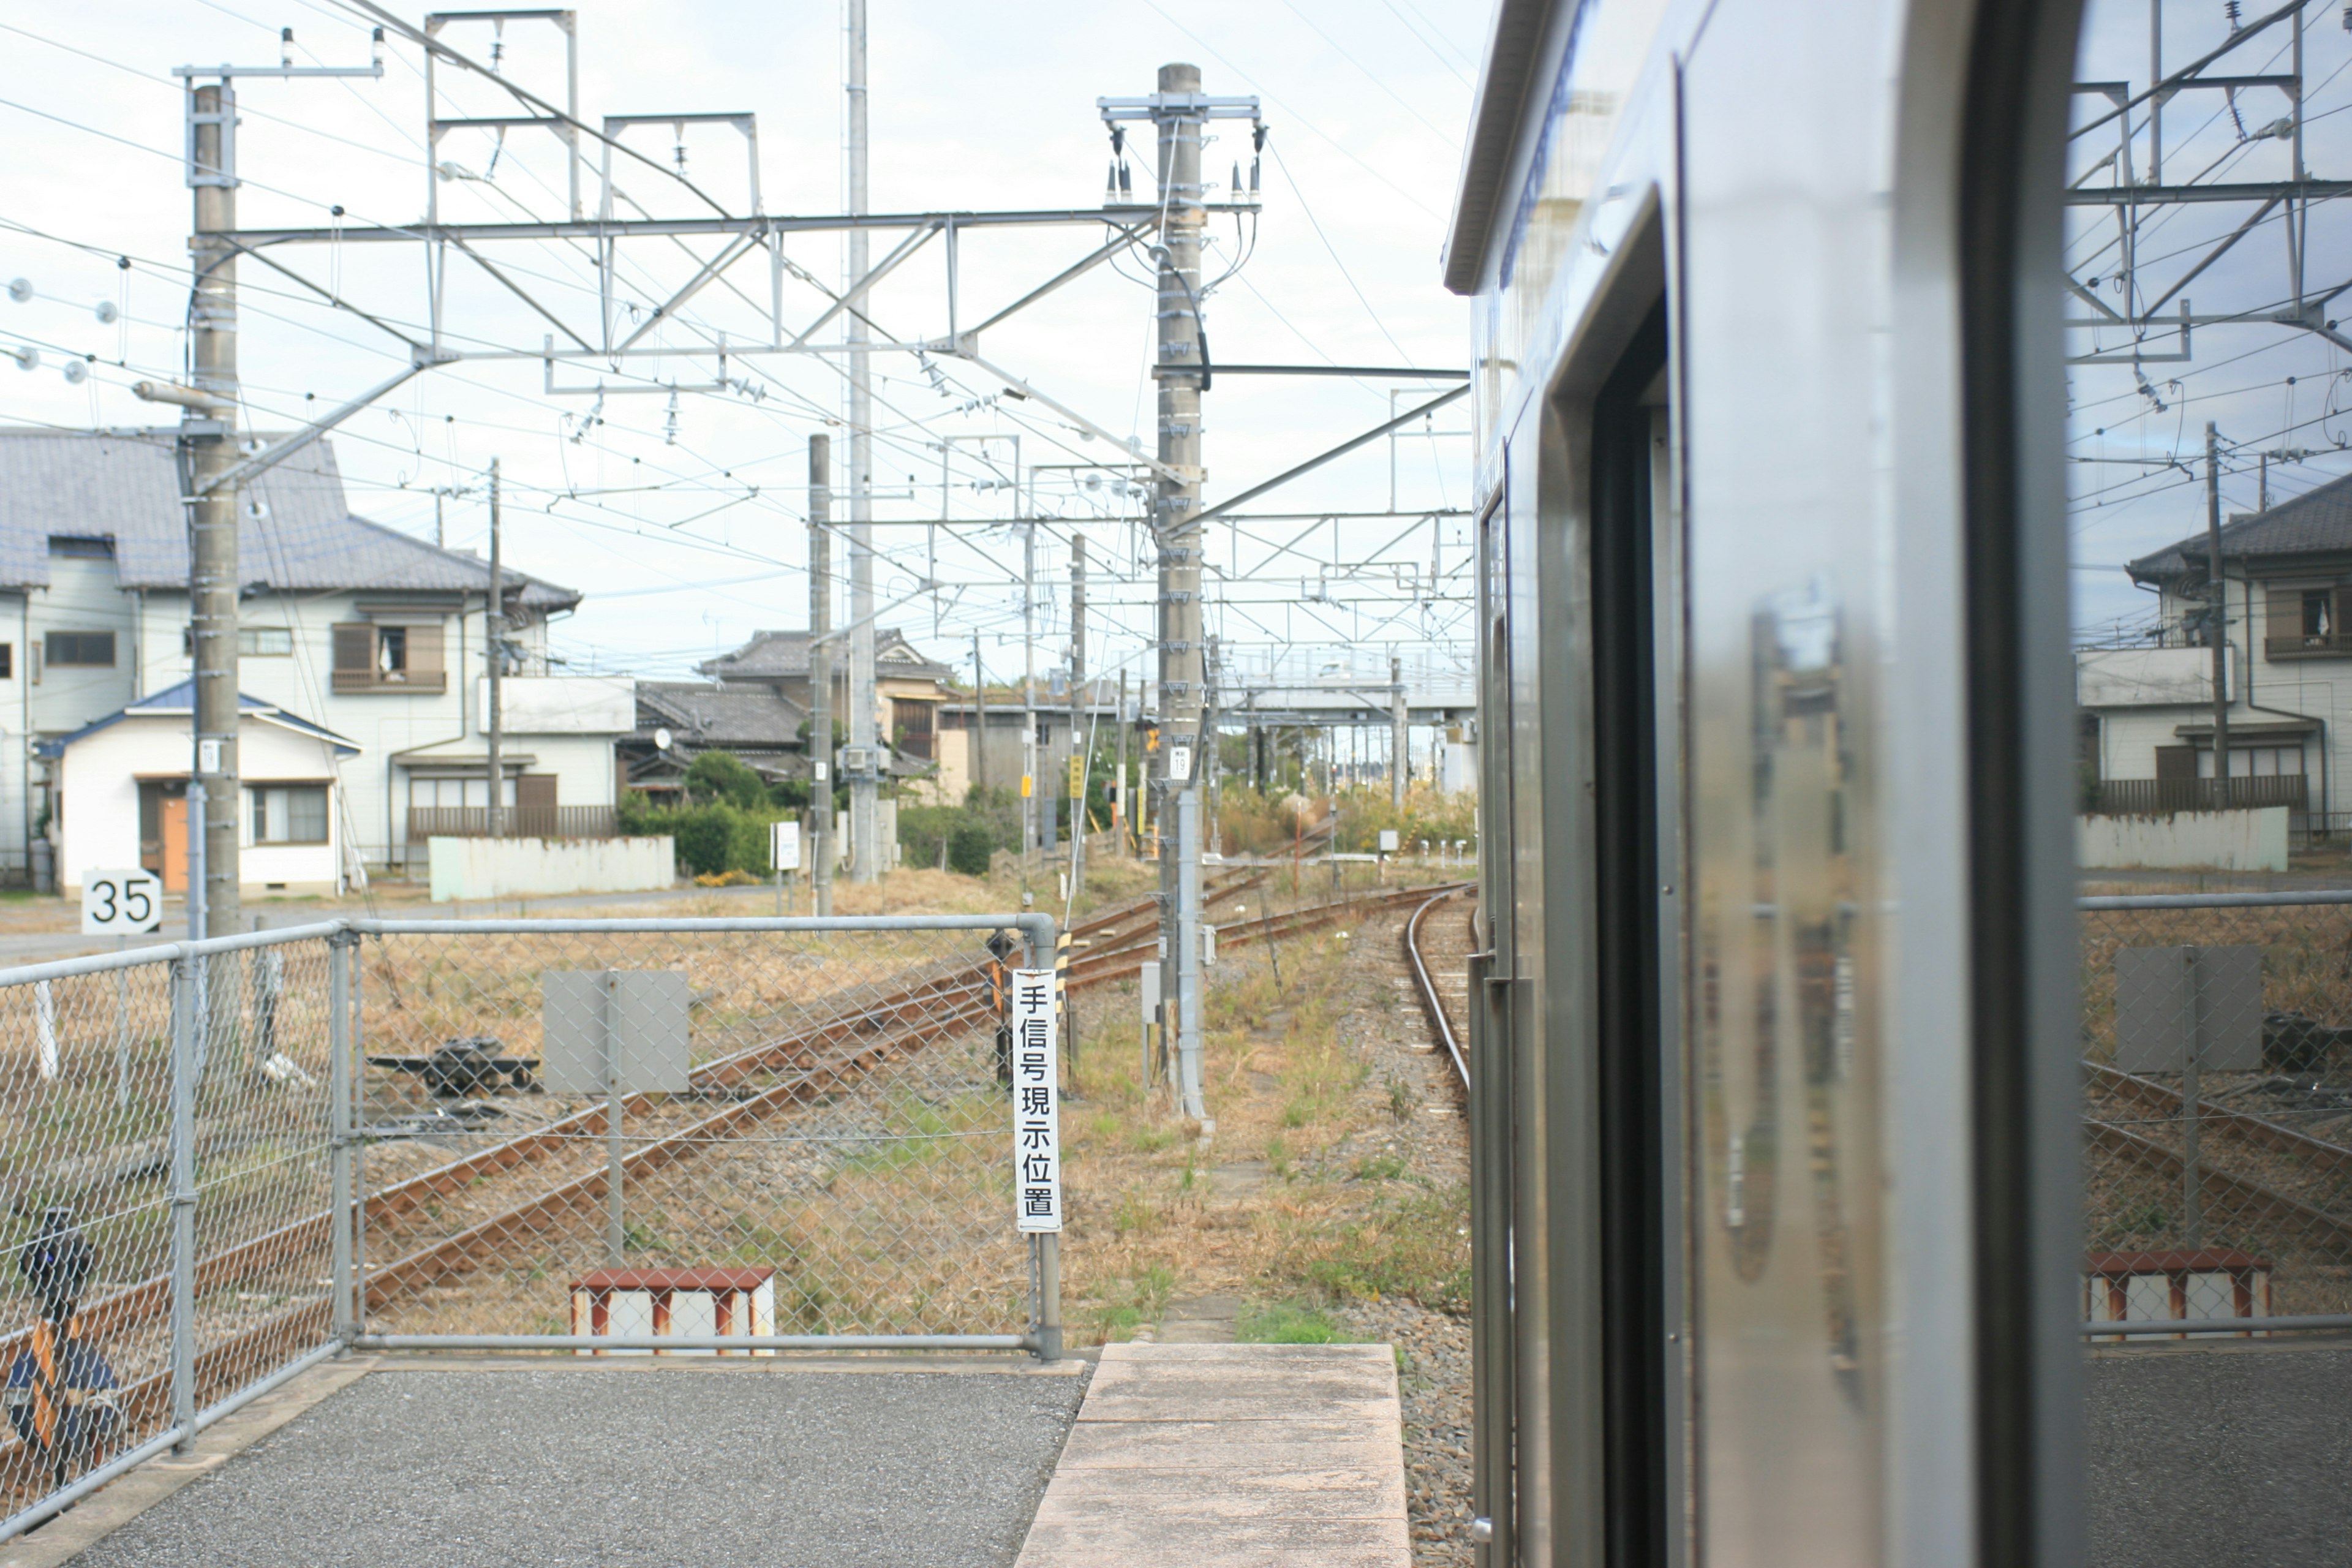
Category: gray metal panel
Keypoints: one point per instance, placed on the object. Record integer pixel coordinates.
(650, 1033)
(2153, 1008)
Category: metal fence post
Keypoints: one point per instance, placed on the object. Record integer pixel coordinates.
(616, 1235)
(186, 999)
(2192, 1187)
(340, 1077)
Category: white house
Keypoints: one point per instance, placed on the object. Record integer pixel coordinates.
(2285, 610)
(355, 626)
(119, 793)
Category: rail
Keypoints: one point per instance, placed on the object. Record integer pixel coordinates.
(1430, 1002)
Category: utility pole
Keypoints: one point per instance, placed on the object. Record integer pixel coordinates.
(1212, 776)
(865, 847)
(1180, 117)
(208, 445)
(1077, 710)
(1122, 811)
(1028, 695)
(820, 620)
(1400, 757)
(978, 757)
(494, 626)
(2217, 623)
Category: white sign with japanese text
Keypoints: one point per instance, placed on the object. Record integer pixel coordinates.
(1036, 1107)
(785, 845)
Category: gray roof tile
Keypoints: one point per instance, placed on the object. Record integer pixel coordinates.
(125, 484)
(2318, 522)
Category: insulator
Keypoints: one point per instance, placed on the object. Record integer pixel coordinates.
(1235, 190)
(1126, 182)
(1254, 177)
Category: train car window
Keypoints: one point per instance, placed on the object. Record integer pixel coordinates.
(2208, 475)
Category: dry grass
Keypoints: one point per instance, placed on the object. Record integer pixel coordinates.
(1286, 1202)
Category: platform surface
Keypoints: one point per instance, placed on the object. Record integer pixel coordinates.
(1222, 1456)
(624, 1466)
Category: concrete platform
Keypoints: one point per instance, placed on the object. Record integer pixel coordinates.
(1221, 1456)
(604, 1463)
(2220, 1455)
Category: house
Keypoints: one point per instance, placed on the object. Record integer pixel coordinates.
(678, 721)
(358, 628)
(120, 791)
(908, 686)
(2146, 710)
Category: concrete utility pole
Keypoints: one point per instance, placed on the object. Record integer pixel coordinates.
(976, 754)
(1077, 708)
(494, 626)
(865, 841)
(1213, 780)
(1122, 811)
(820, 620)
(208, 445)
(1177, 307)
(2217, 624)
(1028, 694)
(1400, 734)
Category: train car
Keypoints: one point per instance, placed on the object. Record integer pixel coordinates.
(1775, 1201)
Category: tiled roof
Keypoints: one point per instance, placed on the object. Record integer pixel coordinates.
(176, 700)
(124, 485)
(712, 717)
(784, 656)
(2318, 522)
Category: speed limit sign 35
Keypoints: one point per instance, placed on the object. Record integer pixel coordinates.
(121, 903)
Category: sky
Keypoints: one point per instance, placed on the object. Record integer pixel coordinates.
(670, 490)
(2136, 432)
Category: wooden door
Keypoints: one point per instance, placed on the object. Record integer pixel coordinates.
(534, 807)
(175, 817)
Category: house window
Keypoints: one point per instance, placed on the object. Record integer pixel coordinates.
(446, 794)
(2318, 612)
(87, 649)
(7, 661)
(290, 814)
(82, 546)
(265, 642)
(2254, 762)
(400, 659)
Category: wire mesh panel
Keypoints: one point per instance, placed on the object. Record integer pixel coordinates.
(2217, 1033)
(102, 1260)
(566, 1130)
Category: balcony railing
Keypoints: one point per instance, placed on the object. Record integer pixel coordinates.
(351, 682)
(2314, 645)
(514, 822)
(2124, 797)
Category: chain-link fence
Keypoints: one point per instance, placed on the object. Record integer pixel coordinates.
(228, 1160)
(2216, 1039)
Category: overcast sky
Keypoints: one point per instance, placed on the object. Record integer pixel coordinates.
(685, 528)
(2267, 388)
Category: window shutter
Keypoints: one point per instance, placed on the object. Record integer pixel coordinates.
(423, 651)
(2283, 614)
(2336, 610)
(355, 649)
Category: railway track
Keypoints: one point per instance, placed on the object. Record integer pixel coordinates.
(821, 1059)
(2259, 1170)
(1438, 950)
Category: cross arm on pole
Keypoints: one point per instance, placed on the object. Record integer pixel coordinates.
(262, 462)
(1341, 450)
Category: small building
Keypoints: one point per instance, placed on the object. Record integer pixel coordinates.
(678, 720)
(120, 796)
(909, 685)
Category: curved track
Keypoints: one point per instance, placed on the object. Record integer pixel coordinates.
(1438, 953)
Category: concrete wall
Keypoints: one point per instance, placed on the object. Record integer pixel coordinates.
(507, 868)
(2185, 840)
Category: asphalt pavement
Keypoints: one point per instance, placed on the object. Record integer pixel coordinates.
(627, 1467)
(2224, 1458)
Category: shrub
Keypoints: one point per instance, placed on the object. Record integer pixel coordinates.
(722, 776)
(970, 848)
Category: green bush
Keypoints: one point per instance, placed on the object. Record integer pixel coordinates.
(705, 836)
(970, 848)
(722, 776)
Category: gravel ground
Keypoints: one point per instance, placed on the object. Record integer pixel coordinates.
(628, 1469)
(1434, 1382)
(1433, 1143)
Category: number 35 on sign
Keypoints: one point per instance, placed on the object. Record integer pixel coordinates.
(121, 903)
